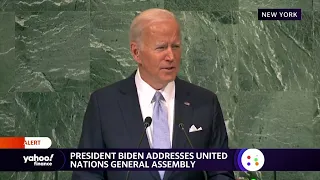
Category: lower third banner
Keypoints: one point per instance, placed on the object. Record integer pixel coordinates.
(156, 159)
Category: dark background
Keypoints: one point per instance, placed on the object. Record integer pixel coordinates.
(54, 53)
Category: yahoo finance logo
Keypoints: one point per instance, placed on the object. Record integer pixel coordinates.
(39, 160)
(251, 160)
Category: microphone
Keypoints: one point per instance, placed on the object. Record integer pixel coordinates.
(181, 125)
(146, 124)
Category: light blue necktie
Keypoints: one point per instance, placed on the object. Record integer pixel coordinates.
(161, 132)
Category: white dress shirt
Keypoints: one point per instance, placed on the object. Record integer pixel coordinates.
(146, 93)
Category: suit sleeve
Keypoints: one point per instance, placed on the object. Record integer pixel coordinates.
(219, 140)
(91, 137)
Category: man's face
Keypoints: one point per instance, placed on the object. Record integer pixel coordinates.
(159, 57)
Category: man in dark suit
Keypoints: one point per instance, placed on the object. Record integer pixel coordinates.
(115, 114)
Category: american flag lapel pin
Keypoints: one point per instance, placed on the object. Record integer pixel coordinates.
(187, 103)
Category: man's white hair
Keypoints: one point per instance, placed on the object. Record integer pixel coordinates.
(144, 19)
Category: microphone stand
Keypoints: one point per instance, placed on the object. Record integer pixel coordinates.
(146, 124)
(181, 125)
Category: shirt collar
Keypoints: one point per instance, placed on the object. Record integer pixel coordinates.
(145, 90)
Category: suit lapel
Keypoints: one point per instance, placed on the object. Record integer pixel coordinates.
(131, 112)
(130, 109)
(182, 114)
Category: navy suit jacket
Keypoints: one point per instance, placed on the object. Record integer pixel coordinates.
(113, 119)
